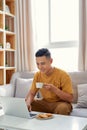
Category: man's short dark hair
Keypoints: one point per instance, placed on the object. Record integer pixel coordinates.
(43, 52)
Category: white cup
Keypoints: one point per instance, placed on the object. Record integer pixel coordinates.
(39, 84)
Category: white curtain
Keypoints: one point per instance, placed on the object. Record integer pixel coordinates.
(24, 36)
(83, 36)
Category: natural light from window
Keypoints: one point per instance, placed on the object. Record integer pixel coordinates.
(64, 24)
(56, 26)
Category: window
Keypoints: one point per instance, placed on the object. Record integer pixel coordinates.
(56, 26)
(64, 24)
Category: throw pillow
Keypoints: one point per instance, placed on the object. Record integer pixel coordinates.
(82, 95)
(22, 87)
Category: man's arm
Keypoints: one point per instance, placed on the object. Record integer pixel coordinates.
(29, 98)
(61, 94)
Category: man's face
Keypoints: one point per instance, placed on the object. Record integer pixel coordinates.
(43, 64)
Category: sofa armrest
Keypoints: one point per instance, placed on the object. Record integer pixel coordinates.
(7, 90)
(14, 77)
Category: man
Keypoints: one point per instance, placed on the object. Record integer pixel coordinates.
(57, 90)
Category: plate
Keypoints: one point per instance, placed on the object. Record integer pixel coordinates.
(44, 116)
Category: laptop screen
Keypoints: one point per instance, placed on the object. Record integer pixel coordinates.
(15, 107)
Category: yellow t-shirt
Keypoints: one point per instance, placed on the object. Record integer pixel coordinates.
(58, 78)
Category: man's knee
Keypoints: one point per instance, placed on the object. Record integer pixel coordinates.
(63, 108)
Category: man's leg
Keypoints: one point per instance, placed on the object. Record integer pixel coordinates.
(40, 106)
(63, 108)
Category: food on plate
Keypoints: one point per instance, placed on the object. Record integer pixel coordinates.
(44, 115)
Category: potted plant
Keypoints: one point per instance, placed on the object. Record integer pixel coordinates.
(6, 27)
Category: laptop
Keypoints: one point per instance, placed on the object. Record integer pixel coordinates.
(15, 107)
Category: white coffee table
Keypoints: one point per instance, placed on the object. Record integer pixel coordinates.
(59, 122)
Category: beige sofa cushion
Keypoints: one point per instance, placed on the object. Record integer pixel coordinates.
(22, 87)
(77, 78)
(82, 96)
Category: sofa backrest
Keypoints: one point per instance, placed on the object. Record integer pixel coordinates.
(77, 78)
(24, 75)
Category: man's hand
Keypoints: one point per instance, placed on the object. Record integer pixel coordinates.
(29, 99)
(49, 86)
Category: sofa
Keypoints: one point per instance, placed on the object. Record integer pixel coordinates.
(21, 82)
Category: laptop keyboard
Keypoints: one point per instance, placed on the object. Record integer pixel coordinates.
(32, 114)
